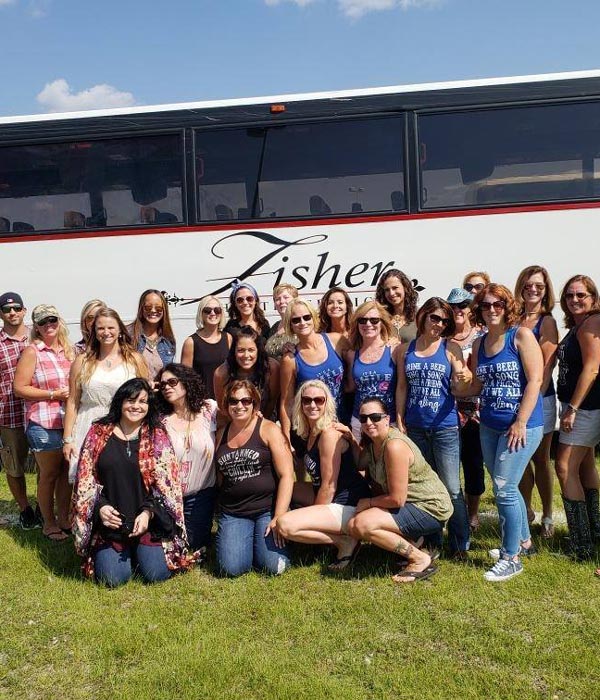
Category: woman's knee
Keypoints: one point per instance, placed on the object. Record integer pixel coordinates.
(360, 527)
(285, 525)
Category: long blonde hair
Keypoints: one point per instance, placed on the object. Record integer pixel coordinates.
(299, 421)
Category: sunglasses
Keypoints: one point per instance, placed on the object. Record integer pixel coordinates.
(296, 319)
(373, 417)
(172, 382)
(434, 318)
(216, 310)
(317, 400)
(10, 307)
(47, 320)
(569, 296)
(241, 300)
(470, 287)
(531, 286)
(150, 309)
(245, 401)
(461, 305)
(487, 305)
(363, 321)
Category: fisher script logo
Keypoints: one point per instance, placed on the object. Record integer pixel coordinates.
(322, 272)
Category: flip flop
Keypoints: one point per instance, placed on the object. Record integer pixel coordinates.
(55, 536)
(342, 563)
(403, 563)
(414, 576)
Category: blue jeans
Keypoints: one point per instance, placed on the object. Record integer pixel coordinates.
(506, 469)
(116, 568)
(242, 545)
(441, 449)
(198, 515)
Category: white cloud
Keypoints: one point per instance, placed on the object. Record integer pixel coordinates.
(57, 96)
(6, 2)
(357, 8)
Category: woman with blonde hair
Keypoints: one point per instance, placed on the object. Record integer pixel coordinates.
(207, 348)
(86, 321)
(42, 379)
(95, 376)
(371, 364)
(534, 292)
(329, 459)
(151, 332)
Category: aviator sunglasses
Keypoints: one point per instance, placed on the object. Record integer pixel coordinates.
(317, 400)
(580, 296)
(241, 300)
(216, 310)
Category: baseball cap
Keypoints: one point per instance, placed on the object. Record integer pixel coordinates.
(43, 311)
(11, 298)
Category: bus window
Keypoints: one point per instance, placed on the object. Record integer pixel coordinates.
(510, 156)
(91, 184)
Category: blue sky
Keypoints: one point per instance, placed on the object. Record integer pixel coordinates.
(75, 54)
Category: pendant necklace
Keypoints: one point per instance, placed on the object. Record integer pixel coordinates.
(128, 438)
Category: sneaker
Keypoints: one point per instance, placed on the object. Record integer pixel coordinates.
(504, 569)
(27, 519)
(523, 552)
(38, 517)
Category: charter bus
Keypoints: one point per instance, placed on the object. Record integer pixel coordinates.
(316, 190)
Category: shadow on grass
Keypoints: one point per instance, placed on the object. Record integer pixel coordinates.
(58, 557)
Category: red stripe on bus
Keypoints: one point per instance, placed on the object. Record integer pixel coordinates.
(265, 224)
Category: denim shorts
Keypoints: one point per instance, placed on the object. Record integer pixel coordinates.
(43, 439)
(414, 522)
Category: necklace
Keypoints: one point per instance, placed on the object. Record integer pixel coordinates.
(128, 438)
(462, 336)
(152, 343)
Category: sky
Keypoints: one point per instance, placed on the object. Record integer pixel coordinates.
(64, 55)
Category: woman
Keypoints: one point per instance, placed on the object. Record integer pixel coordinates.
(329, 459)
(126, 510)
(335, 312)
(474, 282)
(42, 379)
(283, 294)
(396, 293)
(247, 359)
(95, 376)
(464, 336)
(152, 333)
(535, 294)
(578, 389)
(410, 501)
(508, 370)
(315, 357)
(88, 314)
(429, 369)
(244, 310)
(255, 473)
(190, 419)
(371, 364)
(207, 348)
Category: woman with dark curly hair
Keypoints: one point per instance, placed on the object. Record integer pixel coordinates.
(248, 359)
(396, 293)
(507, 372)
(244, 310)
(190, 419)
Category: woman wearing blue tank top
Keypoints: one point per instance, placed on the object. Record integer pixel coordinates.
(534, 291)
(371, 365)
(428, 369)
(508, 369)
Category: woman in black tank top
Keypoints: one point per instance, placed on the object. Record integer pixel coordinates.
(255, 481)
(207, 348)
(329, 459)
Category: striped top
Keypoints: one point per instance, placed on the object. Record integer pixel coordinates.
(51, 373)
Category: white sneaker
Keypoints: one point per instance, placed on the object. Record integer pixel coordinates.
(503, 569)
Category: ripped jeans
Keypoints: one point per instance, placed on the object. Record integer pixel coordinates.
(506, 469)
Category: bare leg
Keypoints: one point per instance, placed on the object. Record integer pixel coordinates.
(543, 475)
(18, 489)
(588, 472)
(526, 489)
(50, 465)
(568, 462)
(62, 494)
(473, 510)
(315, 525)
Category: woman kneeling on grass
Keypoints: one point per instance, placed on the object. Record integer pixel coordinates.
(329, 459)
(127, 508)
(411, 501)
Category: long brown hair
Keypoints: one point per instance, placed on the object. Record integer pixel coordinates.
(325, 322)
(548, 300)
(590, 285)
(164, 327)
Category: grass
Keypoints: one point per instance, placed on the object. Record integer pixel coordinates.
(304, 635)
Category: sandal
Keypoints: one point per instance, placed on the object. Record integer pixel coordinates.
(547, 531)
(56, 535)
(433, 554)
(342, 563)
(412, 576)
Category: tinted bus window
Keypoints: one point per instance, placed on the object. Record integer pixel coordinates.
(510, 156)
(302, 170)
(90, 184)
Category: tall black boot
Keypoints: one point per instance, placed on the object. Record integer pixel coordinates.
(592, 501)
(579, 529)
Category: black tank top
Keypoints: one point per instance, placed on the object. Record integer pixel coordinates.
(570, 364)
(249, 481)
(207, 357)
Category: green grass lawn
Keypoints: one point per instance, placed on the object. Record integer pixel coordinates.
(304, 635)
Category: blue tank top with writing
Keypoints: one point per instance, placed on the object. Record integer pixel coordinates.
(376, 380)
(330, 371)
(429, 403)
(537, 331)
(504, 382)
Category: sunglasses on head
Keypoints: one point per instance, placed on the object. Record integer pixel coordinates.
(473, 287)
(461, 305)
(434, 318)
(487, 305)
(576, 295)
(216, 310)
(373, 417)
(11, 307)
(47, 320)
(172, 381)
(245, 401)
(296, 319)
(241, 300)
(365, 319)
(317, 400)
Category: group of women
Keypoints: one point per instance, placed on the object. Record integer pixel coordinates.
(378, 406)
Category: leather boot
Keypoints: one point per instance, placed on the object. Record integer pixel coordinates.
(592, 501)
(579, 529)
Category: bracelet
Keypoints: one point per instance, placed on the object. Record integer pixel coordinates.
(52, 395)
(573, 408)
(68, 440)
